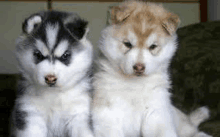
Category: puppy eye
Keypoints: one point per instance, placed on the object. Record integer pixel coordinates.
(38, 55)
(128, 45)
(153, 46)
(65, 56)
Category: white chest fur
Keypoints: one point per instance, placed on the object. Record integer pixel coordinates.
(58, 111)
(128, 102)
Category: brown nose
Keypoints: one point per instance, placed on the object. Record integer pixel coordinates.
(50, 79)
(139, 68)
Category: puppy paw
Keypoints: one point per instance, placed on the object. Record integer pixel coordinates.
(202, 134)
(199, 115)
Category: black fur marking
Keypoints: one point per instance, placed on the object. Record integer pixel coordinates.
(40, 33)
(71, 32)
(63, 34)
(77, 28)
(55, 16)
(20, 116)
(51, 18)
(24, 26)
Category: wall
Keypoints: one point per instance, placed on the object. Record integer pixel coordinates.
(13, 13)
(213, 10)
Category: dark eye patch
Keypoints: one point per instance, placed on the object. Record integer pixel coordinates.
(38, 57)
(65, 58)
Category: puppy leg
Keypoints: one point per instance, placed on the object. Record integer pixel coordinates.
(158, 120)
(79, 126)
(28, 123)
(188, 124)
(199, 115)
(202, 134)
(158, 123)
(107, 123)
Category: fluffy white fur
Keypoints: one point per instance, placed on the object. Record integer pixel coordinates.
(66, 107)
(126, 105)
(62, 110)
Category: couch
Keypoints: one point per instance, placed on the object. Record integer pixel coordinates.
(195, 72)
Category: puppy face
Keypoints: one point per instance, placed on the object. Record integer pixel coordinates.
(53, 49)
(141, 39)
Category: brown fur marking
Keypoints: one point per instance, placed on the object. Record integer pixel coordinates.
(143, 18)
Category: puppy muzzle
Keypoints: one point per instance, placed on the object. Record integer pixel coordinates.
(139, 69)
(50, 80)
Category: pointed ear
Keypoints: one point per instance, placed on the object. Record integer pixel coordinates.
(120, 13)
(86, 33)
(77, 28)
(171, 23)
(31, 23)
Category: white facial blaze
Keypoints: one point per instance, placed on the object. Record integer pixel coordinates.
(151, 39)
(42, 47)
(42, 70)
(61, 48)
(51, 34)
(144, 25)
(131, 58)
(150, 61)
(132, 38)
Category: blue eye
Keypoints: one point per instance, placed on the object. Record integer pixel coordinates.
(38, 55)
(65, 56)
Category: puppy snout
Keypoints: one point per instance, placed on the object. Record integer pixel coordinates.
(50, 79)
(139, 68)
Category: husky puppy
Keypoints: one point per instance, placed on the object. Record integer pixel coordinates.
(131, 87)
(55, 60)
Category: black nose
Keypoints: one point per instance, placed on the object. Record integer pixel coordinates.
(50, 79)
(139, 68)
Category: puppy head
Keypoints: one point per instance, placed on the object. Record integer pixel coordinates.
(143, 12)
(141, 39)
(53, 49)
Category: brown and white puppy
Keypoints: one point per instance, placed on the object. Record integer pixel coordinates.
(131, 87)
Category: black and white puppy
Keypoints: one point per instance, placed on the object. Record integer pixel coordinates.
(55, 60)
